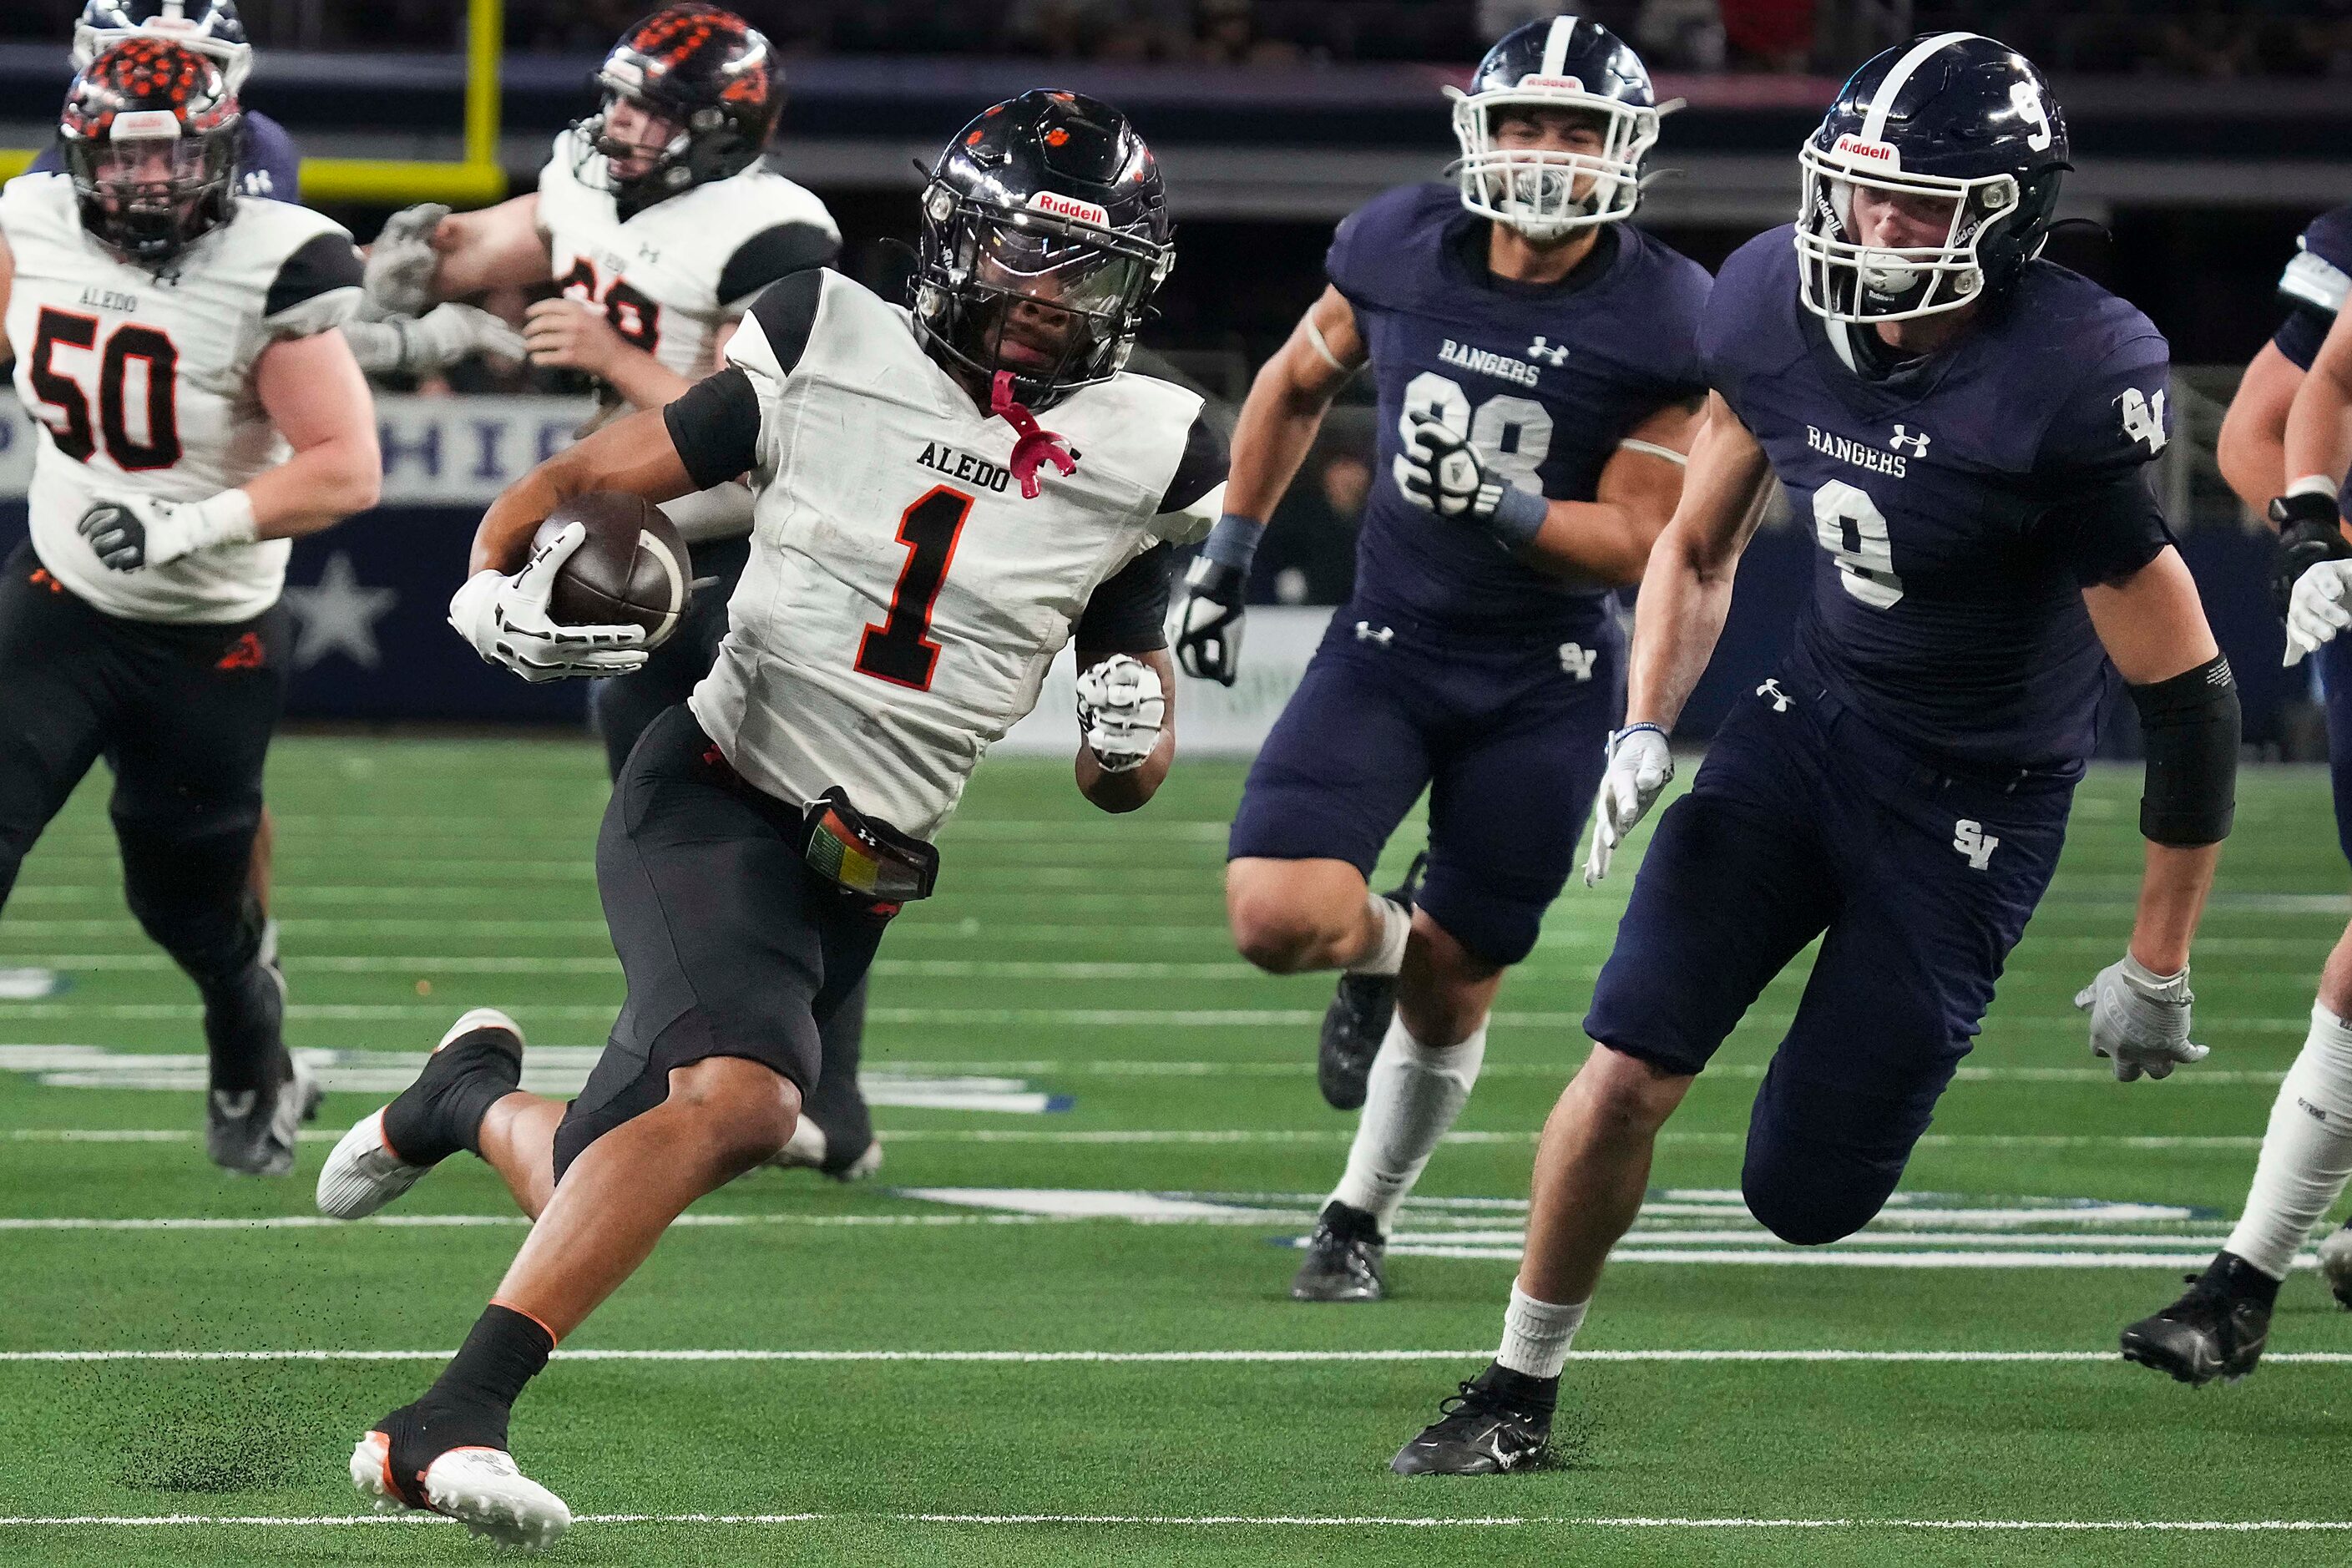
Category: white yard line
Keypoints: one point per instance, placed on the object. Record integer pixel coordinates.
(1236, 1521)
(1154, 1358)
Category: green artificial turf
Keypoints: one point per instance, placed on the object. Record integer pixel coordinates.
(1073, 955)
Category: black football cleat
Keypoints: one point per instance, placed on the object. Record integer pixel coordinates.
(2216, 1330)
(1343, 1259)
(1499, 1421)
(1356, 1021)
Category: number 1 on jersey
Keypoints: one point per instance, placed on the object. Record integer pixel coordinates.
(901, 650)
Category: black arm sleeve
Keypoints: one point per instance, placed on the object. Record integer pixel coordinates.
(772, 254)
(2192, 724)
(1128, 613)
(715, 427)
(787, 315)
(322, 266)
(1202, 469)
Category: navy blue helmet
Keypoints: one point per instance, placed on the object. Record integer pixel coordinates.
(211, 27)
(1566, 63)
(1931, 182)
(1045, 234)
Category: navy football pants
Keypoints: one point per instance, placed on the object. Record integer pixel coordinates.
(1509, 740)
(2335, 685)
(1805, 823)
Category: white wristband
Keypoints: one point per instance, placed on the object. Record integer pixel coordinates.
(2313, 485)
(224, 519)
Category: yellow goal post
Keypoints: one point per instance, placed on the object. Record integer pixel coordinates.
(476, 180)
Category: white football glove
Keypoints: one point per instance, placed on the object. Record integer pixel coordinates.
(400, 345)
(2315, 612)
(1439, 471)
(139, 531)
(1121, 707)
(2140, 1020)
(505, 618)
(1640, 768)
(398, 277)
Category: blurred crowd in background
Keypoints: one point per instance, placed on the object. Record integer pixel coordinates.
(2180, 37)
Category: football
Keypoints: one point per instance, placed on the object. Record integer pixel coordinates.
(633, 569)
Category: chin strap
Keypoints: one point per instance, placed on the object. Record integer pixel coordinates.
(1036, 447)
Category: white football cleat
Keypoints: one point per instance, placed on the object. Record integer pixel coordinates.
(480, 1488)
(807, 1150)
(364, 1172)
(2335, 1264)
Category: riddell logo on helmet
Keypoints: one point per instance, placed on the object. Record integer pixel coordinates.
(146, 125)
(1855, 149)
(1554, 83)
(1064, 207)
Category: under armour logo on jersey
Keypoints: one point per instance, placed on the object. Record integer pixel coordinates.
(1903, 439)
(1971, 839)
(2143, 418)
(1782, 701)
(1544, 350)
(1579, 660)
(1367, 631)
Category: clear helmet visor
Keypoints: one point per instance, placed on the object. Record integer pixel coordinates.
(1882, 245)
(145, 176)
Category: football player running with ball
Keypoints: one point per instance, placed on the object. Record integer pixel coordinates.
(197, 409)
(922, 548)
(661, 224)
(1967, 429)
(1537, 366)
(2283, 450)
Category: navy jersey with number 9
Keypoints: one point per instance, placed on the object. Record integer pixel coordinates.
(1962, 504)
(1545, 380)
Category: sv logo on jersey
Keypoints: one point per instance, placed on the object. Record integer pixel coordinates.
(1579, 660)
(965, 469)
(2142, 418)
(1972, 840)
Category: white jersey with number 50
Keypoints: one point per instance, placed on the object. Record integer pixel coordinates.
(141, 383)
(903, 601)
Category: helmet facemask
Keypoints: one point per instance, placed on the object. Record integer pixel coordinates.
(1054, 299)
(626, 129)
(1841, 279)
(1548, 193)
(145, 190)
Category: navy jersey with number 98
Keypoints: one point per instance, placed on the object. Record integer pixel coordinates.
(1545, 380)
(1962, 504)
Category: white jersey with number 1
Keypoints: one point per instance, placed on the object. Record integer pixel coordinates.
(140, 381)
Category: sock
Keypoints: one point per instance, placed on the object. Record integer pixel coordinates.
(1414, 1095)
(1537, 1334)
(468, 1405)
(442, 1111)
(1386, 955)
(245, 1043)
(2306, 1153)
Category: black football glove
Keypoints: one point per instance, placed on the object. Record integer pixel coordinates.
(117, 535)
(2308, 534)
(1210, 623)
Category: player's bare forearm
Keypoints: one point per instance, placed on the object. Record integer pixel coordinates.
(313, 392)
(496, 248)
(641, 379)
(2172, 892)
(1686, 589)
(633, 455)
(2318, 434)
(2251, 450)
(1607, 539)
(1124, 792)
(1287, 403)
